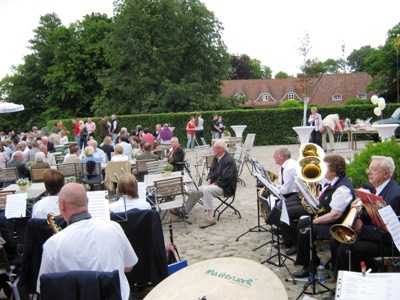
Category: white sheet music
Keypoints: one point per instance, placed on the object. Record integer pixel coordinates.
(373, 286)
(142, 190)
(16, 206)
(98, 205)
(392, 223)
(271, 187)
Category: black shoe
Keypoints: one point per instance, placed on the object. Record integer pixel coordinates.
(303, 272)
(292, 250)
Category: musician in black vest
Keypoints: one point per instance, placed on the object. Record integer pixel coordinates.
(373, 241)
(335, 198)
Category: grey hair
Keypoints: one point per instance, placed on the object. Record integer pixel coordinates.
(387, 163)
(285, 152)
(17, 154)
(39, 156)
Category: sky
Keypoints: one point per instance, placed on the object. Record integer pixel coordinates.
(270, 31)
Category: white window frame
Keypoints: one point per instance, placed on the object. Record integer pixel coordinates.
(337, 97)
(362, 96)
(290, 96)
(265, 97)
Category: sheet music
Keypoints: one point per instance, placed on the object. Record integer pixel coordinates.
(392, 223)
(98, 205)
(271, 187)
(142, 191)
(373, 286)
(303, 189)
(16, 206)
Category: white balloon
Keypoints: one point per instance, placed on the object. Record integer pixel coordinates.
(377, 111)
(381, 103)
(374, 99)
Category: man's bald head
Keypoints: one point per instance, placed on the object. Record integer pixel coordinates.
(73, 200)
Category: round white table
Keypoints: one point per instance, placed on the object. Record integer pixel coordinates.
(221, 278)
(304, 133)
(238, 129)
(386, 131)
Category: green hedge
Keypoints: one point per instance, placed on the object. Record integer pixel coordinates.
(272, 126)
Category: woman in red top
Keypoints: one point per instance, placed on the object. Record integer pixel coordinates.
(190, 131)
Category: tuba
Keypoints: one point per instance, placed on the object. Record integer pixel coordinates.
(53, 226)
(311, 168)
(344, 232)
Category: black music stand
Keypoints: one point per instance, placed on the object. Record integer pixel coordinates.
(313, 281)
(280, 256)
(258, 228)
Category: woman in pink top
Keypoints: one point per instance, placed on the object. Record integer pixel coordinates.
(190, 131)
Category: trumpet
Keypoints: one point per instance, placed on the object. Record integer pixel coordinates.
(53, 226)
(345, 233)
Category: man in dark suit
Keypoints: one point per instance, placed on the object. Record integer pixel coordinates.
(17, 161)
(147, 154)
(177, 156)
(221, 181)
(373, 241)
(48, 144)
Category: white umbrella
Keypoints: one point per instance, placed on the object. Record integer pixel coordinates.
(6, 107)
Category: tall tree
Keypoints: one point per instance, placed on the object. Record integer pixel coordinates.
(381, 64)
(78, 62)
(164, 55)
(356, 59)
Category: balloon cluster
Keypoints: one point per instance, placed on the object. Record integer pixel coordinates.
(380, 103)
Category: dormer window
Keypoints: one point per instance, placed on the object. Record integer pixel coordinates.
(265, 97)
(337, 97)
(362, 96)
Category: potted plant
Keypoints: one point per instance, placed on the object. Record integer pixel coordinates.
(168, 169)
(23, 184)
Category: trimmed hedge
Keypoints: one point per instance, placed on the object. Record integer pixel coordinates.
(272, 126)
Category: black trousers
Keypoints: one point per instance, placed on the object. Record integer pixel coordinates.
(316, 138)
(320, 231)
(360, 251)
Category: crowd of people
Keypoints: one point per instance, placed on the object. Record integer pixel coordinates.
(336, 197)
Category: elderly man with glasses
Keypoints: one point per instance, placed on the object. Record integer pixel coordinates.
(221, 181)
(373, 241)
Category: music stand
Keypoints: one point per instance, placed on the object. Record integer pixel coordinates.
(280, 256)
(256, 166)
(313, 280)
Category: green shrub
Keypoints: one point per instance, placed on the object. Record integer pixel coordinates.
(357, 101)
(356, 170)
(290, 104)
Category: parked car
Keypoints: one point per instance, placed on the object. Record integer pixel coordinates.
(394, 119)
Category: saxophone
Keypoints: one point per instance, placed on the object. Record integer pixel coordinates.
(53, 226)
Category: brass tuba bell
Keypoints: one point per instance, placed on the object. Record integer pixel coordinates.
(344, 232)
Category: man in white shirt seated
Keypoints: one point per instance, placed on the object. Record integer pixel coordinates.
(49, 158)
(98, 152)
(87, 243)
(53, 182)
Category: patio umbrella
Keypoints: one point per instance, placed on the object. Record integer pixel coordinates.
(6, 107)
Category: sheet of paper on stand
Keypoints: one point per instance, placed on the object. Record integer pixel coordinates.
(308, 196)
(16, 206)
(142, 190)
(99, 205)
(353, 285)
(270, 186)
(392, 223)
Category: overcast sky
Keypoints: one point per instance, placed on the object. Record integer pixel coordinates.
(269, 31)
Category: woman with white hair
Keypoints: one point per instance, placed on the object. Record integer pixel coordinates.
(39, 162)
